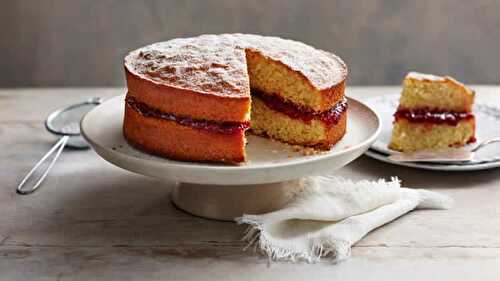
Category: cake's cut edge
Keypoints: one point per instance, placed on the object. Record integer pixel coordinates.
(279, 126)
(275, 77)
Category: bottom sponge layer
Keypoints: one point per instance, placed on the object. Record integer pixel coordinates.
(411, 136)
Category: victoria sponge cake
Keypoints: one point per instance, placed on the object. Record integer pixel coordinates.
(434, 112)
(194, 98)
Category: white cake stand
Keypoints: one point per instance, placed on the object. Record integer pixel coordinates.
(222, 191)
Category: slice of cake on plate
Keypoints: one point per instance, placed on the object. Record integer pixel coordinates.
(434, 112)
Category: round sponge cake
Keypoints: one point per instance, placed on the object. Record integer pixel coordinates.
(191, 98)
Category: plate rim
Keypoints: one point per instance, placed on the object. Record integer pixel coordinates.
(374, 154)
(173, 164)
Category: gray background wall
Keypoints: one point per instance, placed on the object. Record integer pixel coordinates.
(82, 42)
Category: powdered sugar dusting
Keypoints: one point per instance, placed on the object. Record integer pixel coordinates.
(423, 76)
(208, 63)
(216, 63)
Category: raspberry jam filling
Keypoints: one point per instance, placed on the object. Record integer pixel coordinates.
(276, 103)
(227, 128)
(432, 116)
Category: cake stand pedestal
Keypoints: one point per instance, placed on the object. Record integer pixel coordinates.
(226, 202)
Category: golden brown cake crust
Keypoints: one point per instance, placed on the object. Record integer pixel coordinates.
(183, 102)
(335, 132)
(333, 95)
(169, 139)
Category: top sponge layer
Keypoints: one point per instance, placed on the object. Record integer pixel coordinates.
(436, 93)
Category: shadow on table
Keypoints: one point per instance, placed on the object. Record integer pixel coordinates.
(95, 204)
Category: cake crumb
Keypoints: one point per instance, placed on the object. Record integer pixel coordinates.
(305, 151)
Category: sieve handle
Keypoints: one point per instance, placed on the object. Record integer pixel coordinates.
(57, 148)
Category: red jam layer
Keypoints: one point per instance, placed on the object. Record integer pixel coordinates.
(434, 117)
(227, 128)
(329, 117)
(472, 140)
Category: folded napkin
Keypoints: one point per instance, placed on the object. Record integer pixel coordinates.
(330, 214)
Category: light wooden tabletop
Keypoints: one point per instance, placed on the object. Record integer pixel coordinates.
(93, 221)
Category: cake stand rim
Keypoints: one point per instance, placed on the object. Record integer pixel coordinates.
(130, 162)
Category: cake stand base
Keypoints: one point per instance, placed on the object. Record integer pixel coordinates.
(227, 202)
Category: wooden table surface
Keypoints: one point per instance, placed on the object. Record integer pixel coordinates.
(93, 221)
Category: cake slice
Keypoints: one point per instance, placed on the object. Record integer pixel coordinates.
(434, 112)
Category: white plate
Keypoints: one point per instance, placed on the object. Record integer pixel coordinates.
(487, 122)
(269, 161)
(431, 166)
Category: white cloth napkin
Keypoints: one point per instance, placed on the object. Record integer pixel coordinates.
(331, 214)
